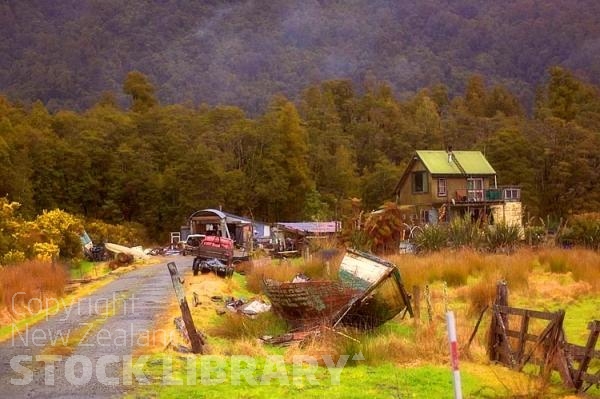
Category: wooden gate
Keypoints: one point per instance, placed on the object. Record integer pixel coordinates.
(514, 343)
(583, 378)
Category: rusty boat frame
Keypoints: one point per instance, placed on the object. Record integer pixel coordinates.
(368, 293)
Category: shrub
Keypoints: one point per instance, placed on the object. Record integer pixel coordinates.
(9, 225)
(46, 251)
(12, 257)
(464, 233)
(432, 238)
(63, 230)
(535, 235)
(385, 228)
(584, 230)
(502, 237)
(359, 239)
(129, 234)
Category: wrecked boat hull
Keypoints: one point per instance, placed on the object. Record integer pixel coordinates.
(369, 293)
(308, 304)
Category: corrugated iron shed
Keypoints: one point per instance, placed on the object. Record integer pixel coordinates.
(312, 227)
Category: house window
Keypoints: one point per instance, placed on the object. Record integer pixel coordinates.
(475, 189)
(442, 188)
(424, 216)
(419, 182)
(512, 194)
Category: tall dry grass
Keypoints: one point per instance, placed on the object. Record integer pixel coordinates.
(269, 269)
(31, 279)
(454, 267)
(237, 326)
(583, 264)
(284, 270)
(427, 343)
(475, 274)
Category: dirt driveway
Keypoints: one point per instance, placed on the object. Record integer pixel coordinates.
(80, 352)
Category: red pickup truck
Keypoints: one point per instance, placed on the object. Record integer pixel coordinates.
(211, 248)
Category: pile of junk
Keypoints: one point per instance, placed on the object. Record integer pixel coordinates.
(368, 292)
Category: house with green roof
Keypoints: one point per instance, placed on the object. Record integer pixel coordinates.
(438, 186)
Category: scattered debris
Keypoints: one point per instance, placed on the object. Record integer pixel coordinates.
(196, 299)
(213, 265)
(121, 259)
(97, 253)
(300, 278)
(181, 349)
(169, 250)
(136, 252)
(287, 339)
(255, 307)
(250, 309)
(369, 292)
(233, 304)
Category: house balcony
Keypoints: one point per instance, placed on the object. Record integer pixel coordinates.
(487, 195)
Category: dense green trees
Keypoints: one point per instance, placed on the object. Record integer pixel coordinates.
(155, 164)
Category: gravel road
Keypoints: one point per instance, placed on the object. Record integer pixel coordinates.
(100, 331)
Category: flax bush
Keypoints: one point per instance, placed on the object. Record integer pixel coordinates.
(432, 238)
(502, 237)
(464, 233)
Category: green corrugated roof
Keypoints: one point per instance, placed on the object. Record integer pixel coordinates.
(463, 162)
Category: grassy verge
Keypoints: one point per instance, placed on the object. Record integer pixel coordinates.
(400, 359)
(86, 269)
(269, 379)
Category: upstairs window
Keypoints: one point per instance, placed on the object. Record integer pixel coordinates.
(419, 182)
(442, 187)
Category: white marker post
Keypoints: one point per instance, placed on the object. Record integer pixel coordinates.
(454, 354)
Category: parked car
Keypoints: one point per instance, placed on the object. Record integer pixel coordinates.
(192, 242)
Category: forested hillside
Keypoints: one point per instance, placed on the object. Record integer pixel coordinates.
(66, 53)
(301, 160)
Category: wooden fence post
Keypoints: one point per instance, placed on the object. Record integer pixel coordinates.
(495, 337)
(429, 306)
(195, 339)
(417, 303)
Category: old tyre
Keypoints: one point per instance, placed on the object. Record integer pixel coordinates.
(196, 266)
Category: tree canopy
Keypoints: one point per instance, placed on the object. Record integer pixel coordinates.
(155, 164)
